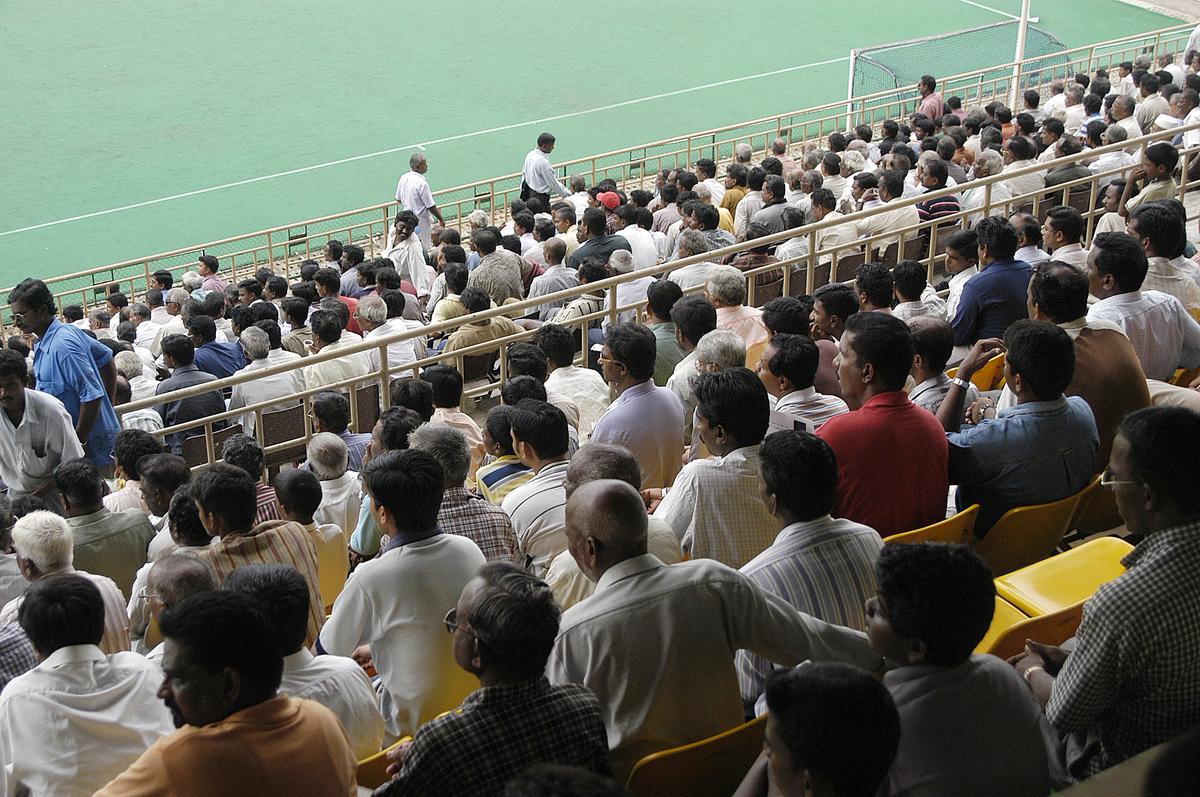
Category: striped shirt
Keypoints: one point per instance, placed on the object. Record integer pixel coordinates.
(266, 503)
(274, 542)
(823, 567)
(538, 510)
(714, 508)
(467, 515)
(809, 405)
(499, 478)
(938, 208)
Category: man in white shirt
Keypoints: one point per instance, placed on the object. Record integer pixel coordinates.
(537, 175)
(336, 682)
(579, 196)
(962, 263)
(1123, 109)
(690, 619)
(987, 163)
(1162, 332)
(713, 505)
(1056, 106)
(540, 440)
(147, 330)
(394, 604)
(341, 495)
(376, 322)
(36, 434)
(1061, 232)
(641, 242)
(1163, 237)
(583, 386)
(1075, 112)
(1029, 239)
(1019, 154)
(412, 191)
(691, 243)
(405, 251)
(787, 369)
(283, 387)
(694, 317)
(80, 717)
(327, 333)
(706, 174)
(171, 322)
(886, 219)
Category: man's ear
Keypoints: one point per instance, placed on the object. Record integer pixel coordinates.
(868, 373)
(916, 651)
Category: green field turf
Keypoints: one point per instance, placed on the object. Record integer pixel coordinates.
(121, 103)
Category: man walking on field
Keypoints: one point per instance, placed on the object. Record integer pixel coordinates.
(413, 192)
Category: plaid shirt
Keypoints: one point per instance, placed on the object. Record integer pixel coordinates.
(483, 523)
(16, 653)
(1134, 676)
(498, 731)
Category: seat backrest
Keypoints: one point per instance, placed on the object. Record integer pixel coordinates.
(712, 767)
(194, 452)
(1096, 511)
(953, 529)
(1003, 618)
(766, 291)
(283, 425)
(366, 399)
(1027, 534)
(476, 366)
(1050, 629)
(988, 377)
(372, 771)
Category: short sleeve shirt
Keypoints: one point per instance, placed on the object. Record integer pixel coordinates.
(66, 364)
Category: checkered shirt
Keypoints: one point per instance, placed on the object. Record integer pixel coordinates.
(1134, 676)
(16, 653)
(481, 522)
(498, 731)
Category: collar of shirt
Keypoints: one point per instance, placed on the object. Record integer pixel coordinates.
(71, 654)
(632, 566)
(55, 327)
(297, 660)
(1035, 408)
(795, 398)
(808, 532)
(401, 539)
(458, 496)
(890, 398)
(636, 391)
(519, 692)
(931, 383)
(1162, 543)
(83, 520)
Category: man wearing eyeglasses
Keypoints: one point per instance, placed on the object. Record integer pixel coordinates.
(503, 629)
(1132, 679)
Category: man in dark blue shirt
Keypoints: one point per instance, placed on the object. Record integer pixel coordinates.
(995, 297)
(219, 359)
(179, 354)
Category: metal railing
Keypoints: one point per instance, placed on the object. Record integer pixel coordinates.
(283, 248)
(781, 277)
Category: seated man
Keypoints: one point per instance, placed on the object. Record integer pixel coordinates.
(79, 717)
(726, 289)
(394, 604)
(967, 725)
(1163, 237)
(462, 512)
(540, 440)
(33, 422)
(336, 682)
(995, 297)
(789, 315)
(833, 304)
(281, 388)
(447, 383)
(644, 418)
(225, 499)
(1162, 332)
(581, 385)
(820, 565)
(933, 343)
(212, 356)
(328, 457)
(1029, 239)
(331, 413)
(503, 628)
(299, 496)
(169, 581)
(391, 433)
(875, 288)
(1041, 450)
(1107, 697)
(178, 355)
(132, 445)
(475, 300)
(1061, 232)
(691, 618)
(111, 544)
(506, 471)
(714, 505)
(831, 728)
(329, 337)
(914, 294)
(890, 494)
(243, 451)
(44, 548)
(787, 369)
(223, 670)
(694, 318)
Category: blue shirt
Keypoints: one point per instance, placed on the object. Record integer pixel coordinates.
(66, 364)
(991, 300)
(220, 359)
(1033, 453)
(647, 420)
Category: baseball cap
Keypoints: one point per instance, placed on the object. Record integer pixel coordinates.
(609, 199)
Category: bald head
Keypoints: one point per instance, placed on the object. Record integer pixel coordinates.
(602, 461)
(606, 524)
(176, 577)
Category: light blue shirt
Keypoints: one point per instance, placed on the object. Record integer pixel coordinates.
(647, 420)
(1033, 453)
(66, 364)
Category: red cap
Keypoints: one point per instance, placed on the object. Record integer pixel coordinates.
(609, 199)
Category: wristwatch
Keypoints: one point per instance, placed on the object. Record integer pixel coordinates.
(1031, 671)
(964, 384)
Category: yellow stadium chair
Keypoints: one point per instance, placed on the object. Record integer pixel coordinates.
(1050, 629)
(372, 771)
(1027, 534)
(711, 767)
(1097, 511)
(990, 375)
(1066, 579)
(1183, 378)
(953, 529)
(1005, 617)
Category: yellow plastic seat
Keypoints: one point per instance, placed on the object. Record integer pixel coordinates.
(712, 767)
(1027, 534)
(1006, 617)
(1096, 512)
(956, 528)
(1066, 579)
(372, 771)
(1051, 629)
(990, 375)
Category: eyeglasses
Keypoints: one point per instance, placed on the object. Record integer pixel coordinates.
(451, 621)
(1106, 480)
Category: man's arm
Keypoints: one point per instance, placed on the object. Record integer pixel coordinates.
(1190, 355)
(950, 413)
(546, 172)
(108, 376)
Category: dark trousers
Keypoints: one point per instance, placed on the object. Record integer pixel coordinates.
(527, 193)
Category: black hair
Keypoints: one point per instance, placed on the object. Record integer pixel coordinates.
(131, 446)
(328, 279)
(542, 426)
(415, 394)
(12, 364)
(557, 343)
(395, 425)
(1120, 255)
(499, 427)
(933, 339)
(875, 280)
(519, 388)
(515, 617)
(735, 399)
(62, 610)
(1162, 444)
(167, 471)
(80, 482)
(228, 491)
(1060, 291)
(203, 327)
(184, 522)
(838, 299)
(332, 409)
(281, 594)
(410, 483)
(475, 300)
(796, 357)
(939, 593)
(447, 384)
(910, 279)
(998, 236)
(226, 630)
(633, 346)
(526, 359)
(1068, 221)
(885, 342)
(1162, 226)
(787, 314)
(694, 317)
(662, 295)
(800, 470)
(245, 452)
(1042, 354)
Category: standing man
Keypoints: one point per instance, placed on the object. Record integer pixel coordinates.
(413, 192)
(537, 175)
(75, 369)
(931, 104)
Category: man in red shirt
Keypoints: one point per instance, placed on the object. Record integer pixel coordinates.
(892, 460)
(329, 286)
